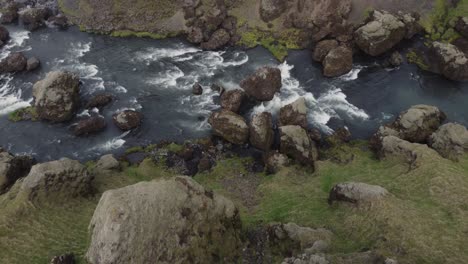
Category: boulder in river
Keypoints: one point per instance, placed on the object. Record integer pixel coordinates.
(396, 59)
(9, 13)
(381, 34)
(197, 89)
(32, 64)
(323, 48)
(59, 21)
(338, 61)
(34, 18)
(230, 126)
(263, 84)
(99, 101)
(296, 143)
(15, 62)
(12, 168)
(127, 120)
(271, 9)
(170, 221)
(89, 126)
(261, 131)
(4, 34)
(294, 114)
(450, 61)
(217, 40)
(450, 140)
(63, 178)
(57, 96)
(232, 100)
(356, 192)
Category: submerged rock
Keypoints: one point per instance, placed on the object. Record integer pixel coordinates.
(230, 126)
(15, 62)
(261, 131)
(127, 120)
(89, 126)
(294, 114)
(356, 192)
(450, 61)
(232, 100)
(12, 168)
(197, 89)
(263, 84)
(338, 61)
(396, 59)
(57, 96)
(170, 221)
(450, 140)
(99, 101)
(296, 143)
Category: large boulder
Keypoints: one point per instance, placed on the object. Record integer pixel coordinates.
(323, 48)
(165, 221)
(15, 62)
(230, 126)
(127, 119)
(9, 13)
(34, 18)
(462, 26)
(12, 168)
(338, 61)
(63, 178)
(89, 126)
(450, 61)
(450, 140)
(217, 40)
(263, 84)
(381, 34)
(296, 143)
(57, 96)
(261, 131)
(271, 9)
(413, 154)
(4, 34)
(294, 114)
(232, 100)
(356, 192)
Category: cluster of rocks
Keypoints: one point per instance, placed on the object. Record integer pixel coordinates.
(419, 128)
(33, 14)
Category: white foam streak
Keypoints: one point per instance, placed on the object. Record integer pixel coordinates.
(353, 74)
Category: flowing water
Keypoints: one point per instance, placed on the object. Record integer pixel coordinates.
(156, 76)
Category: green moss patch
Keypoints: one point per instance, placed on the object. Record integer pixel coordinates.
(23, 114)
(440, 22)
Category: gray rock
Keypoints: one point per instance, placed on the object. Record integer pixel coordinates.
(34, 18)
(294, 114)
(15, 62)
(230, 126)
(59, 179)
(261, 131)
(450, 140)
(108, 162)
(263, 84)
(304, 237)
(217, 40)
(165, 221)
(232, 100)
(91, 125)
(57, 96)
(271, 9)
(99, 101)
(356, 192)
(12, 168)
(197, 89)
(338, 61)
(127, 120)
(32, 64)
(9, 13)
(450, 61)
(296, 143)
(323, 48)
(411, 153)
(396, 59)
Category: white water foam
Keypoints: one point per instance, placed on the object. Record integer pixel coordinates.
(353, 74)
(180, 52)
(17, 42)
(10, 100)
(112, 144)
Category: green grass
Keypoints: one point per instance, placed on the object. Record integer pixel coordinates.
(23, 114)
(439, 24)
(129, 33)
(415, 58)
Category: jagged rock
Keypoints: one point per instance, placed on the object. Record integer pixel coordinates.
(295, 142)
(197, 89)
(263, 84)
(462, 26)
(99, 101)
(59, 21)
(232, 100)
(34, 18)
(450, 140)
(338, 61)
(4, 34)
(217, 40)
(127, 120)
(414, 125)
(450, 61)
(323, 48)
(63, 259)
(261, 131)
(12, 168)
(271, 9)
(9, 13)
(108, 162)
(275, 161)
(165, 221)
(89, 125)
(57, 96)
(381, 34)
(356, 192)
(396, 59)
(15, 62)
(301, 237)
(294, 114)
(230, 126)
(32, 64)
(63, 178)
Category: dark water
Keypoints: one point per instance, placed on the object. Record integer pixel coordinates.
(155, 77)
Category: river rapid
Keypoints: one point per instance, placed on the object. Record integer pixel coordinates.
(156, 78)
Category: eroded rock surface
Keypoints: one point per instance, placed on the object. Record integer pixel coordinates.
(230, 126)
(263, 84)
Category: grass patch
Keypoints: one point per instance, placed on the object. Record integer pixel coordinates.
(23, 114)
(440, 22)
(417, 59)
(129, 33)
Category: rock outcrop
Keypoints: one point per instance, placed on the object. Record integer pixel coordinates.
(217, 40)
(294, 114)
(230, 126)
(57, 96)
(127, 119)
(338, 61)
(165, 221)
(15, 62)
(261, 131)
(450, 140)
(302, 238)
(232, 100)
(411, 153)
(450, 61)
(34, 18)
(296, 143)
(356, 192)
(63, 178)
(12, 168)
(9, 13)
(263, 84)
